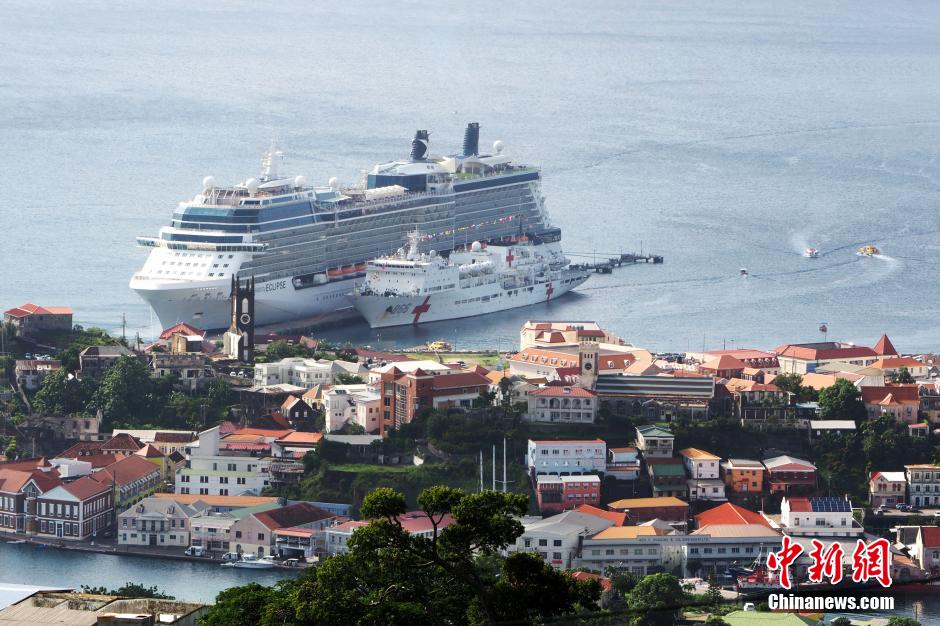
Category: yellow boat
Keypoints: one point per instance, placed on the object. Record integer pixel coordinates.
(868, 250)
(438, 346)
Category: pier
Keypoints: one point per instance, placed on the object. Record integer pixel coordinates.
(606, 266)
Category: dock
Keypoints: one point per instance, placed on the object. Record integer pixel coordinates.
(607, 266)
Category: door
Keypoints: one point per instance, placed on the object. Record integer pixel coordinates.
(153, 540)
(58, 529)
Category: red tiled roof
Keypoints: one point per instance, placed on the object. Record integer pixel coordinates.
(884, 347)
(150, 452)
(172, 437)
(891, 394)
(454, 381)
(930, 536)
(729, 513)
(182, 328)
(618, 518)
(298, 437)
(897, 361)
(292, 515)
(26, 464)
(87, 487)
(606, 584)
(723, 362)
(810, 353)
(418, 521)
(121, 442)
(12, 481)
(801, 505)
(289, 402)
(127, 470)
(30, 309)
(264, 432)
(559, 391)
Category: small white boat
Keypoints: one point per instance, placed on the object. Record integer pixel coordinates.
(811, 253)
(17, 541)
(868, 250)
(744, 271)
(250, 561)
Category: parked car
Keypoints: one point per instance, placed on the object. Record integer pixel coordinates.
(195, 551)
(904, 507)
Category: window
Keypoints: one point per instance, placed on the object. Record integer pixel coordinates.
(556, 556)
(260, 536)
(556, 542)
(543, 542)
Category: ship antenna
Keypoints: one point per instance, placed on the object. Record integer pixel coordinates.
(269, 161)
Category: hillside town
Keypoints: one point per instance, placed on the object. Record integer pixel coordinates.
(695, 464)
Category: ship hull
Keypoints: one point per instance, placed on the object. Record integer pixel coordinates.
(386, 311)
(208, 306)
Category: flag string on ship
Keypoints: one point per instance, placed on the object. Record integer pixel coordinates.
(451, 231)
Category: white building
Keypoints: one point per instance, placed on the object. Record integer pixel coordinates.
(703, 469)
(636, 549)
(408, 367)
(923, 484)
(207, 472)
(623, 463)
(568, 404)
(654, 441)
(817, 517)
(344, 404)
(296, 371)
(557, 539)
(155, 522)
(567, 457)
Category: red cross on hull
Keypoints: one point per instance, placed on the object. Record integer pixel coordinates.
(549, 290)
(421, 309)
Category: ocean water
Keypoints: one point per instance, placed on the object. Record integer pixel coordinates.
(719, 134)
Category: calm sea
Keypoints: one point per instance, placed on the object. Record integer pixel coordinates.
(721, 135)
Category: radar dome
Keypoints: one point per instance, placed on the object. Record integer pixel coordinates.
(334, 182)
(300, 182)
(252, 185)
(498, 146)
(208, 183)
(475, 246)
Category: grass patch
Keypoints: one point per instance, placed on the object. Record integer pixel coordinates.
(488, 360)
(366, 468)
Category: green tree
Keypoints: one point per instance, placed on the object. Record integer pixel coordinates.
(129, 590)
(794, 384)
(841, 621)
(127, 393)
(714, 620)
(346, 378)
(904, 376)
(10, 450)
(900, 620)
(713, 595)
(239, 605)
(841, 401)
(61, 394)
(658, 598)
(390, 576)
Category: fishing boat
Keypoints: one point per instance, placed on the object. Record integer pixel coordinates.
(744, 271)
(868, 250)
(811, 253)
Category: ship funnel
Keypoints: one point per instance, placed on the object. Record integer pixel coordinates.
(419, 145)
(471, 139)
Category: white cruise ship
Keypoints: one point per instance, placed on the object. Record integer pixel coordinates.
(411, 287)
(307, 246)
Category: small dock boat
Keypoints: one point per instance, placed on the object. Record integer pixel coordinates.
(744, 272)
(250, 561)
(868, 250)
(811, 253)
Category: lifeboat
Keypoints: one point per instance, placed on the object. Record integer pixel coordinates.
(360, 269)
(348, 269)
(868, 250)
(334, 272)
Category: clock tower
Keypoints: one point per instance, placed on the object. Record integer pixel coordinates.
(239, 341)
(587, 355)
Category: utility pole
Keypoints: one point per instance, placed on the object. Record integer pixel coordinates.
(481, 471)
(504, 465)
(123, 328)
(494, 467)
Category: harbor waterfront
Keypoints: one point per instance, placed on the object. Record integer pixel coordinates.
(186, 580)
